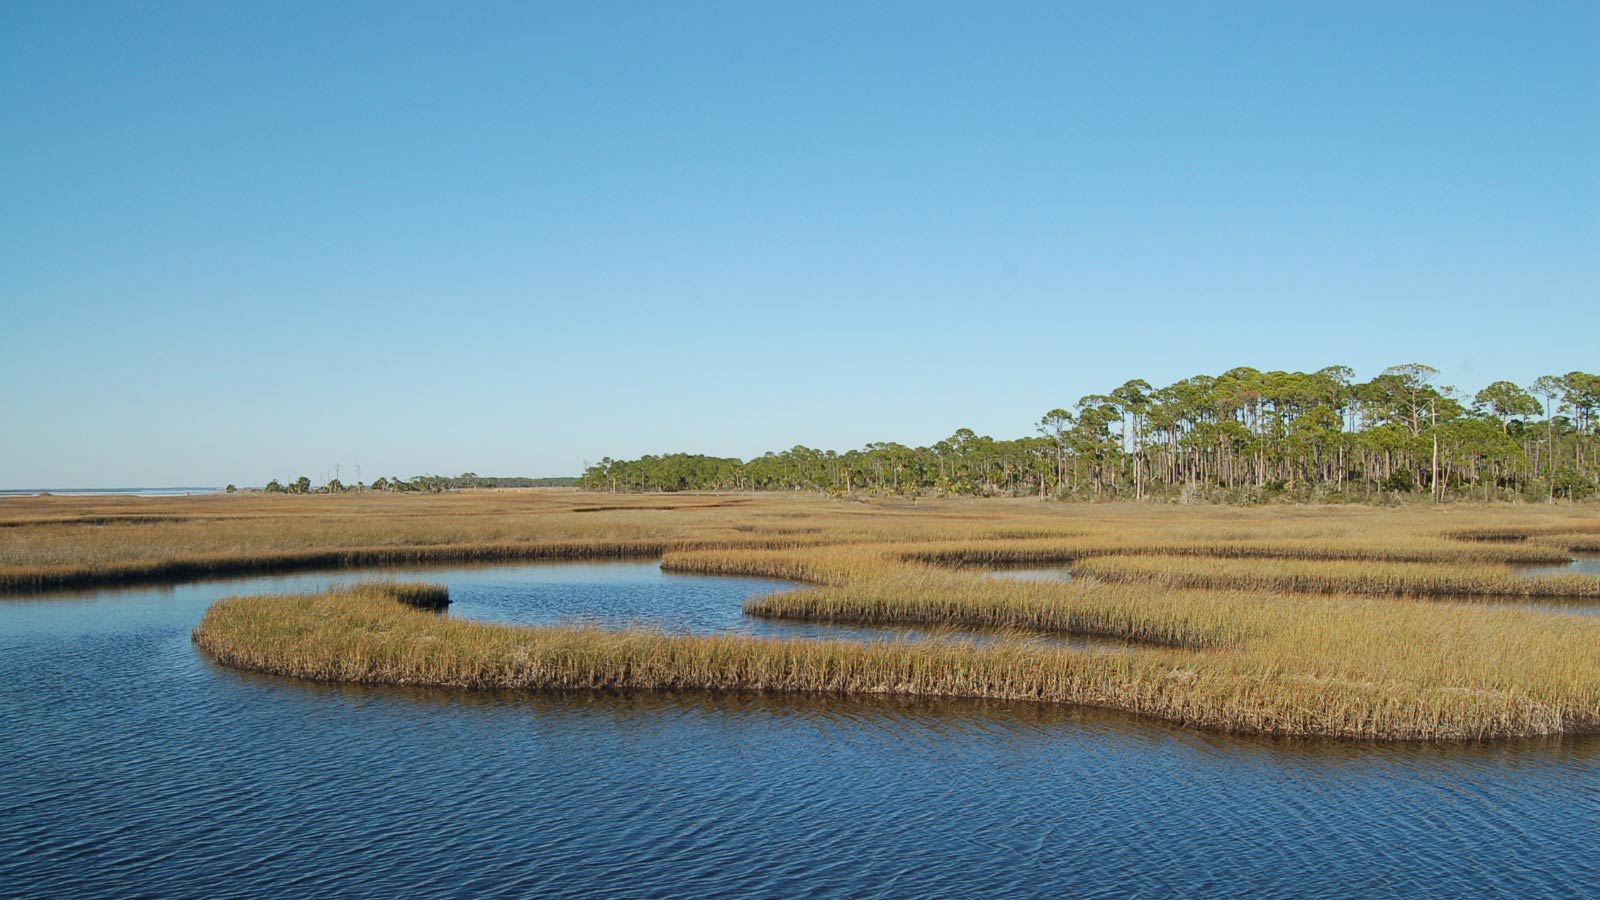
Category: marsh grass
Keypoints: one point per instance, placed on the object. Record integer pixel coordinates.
(898, 601)
(1364, 577)
(48, 542)
(267, 561)
(363, 634)
(1412, 549)
(434, 597)
(1262, 620)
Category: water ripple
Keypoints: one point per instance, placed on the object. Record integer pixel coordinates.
(134, 767)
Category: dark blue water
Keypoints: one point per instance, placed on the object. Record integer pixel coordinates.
(134, 767)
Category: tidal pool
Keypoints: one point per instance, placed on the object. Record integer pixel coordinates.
(135, 767)
(1581, 564)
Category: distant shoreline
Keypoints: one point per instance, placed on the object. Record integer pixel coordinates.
(133, 491)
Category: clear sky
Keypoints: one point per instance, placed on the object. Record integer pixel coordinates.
(240, 242)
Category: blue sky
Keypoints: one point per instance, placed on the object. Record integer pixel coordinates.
(244, 242)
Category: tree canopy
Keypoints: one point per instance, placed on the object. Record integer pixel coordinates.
(1242, 434)
(418, 484)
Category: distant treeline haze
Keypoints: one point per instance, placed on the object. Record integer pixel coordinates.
(1244, 434)
(432, 484)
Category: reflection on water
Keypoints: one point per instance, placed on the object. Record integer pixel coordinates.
(1581, 564)
(608, 594)
(135, 767)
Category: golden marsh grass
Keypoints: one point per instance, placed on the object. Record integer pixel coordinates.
(1276, 629)
(1461, 579)
(363, 635)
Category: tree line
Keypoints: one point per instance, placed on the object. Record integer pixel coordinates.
(1240, 436)
(421, 484)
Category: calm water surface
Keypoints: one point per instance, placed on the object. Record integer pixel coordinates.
(1581, 564)
(134, 767)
